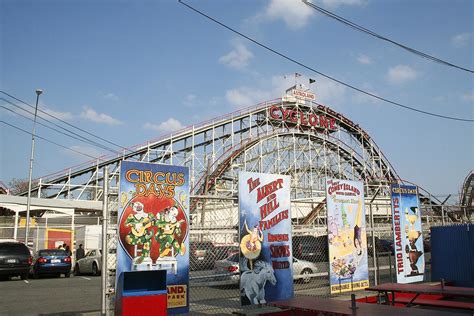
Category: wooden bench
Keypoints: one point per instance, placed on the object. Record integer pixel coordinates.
(436, 303)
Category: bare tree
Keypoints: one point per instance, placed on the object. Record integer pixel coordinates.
(18, 186)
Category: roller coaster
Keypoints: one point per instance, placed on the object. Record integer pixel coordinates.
(288, 135)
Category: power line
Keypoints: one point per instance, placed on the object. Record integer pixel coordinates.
(367, 31)
(71, 125)
(322, 74)
(85, 139)
(47, 140)
(82, 138)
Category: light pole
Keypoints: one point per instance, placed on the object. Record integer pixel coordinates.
(32, 157)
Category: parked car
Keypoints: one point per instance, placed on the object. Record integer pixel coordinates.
(303, 269)
(382, 246)
(15, 259)
(228, 269)
(311, 248)
(224, 251)
(90, 264)
(52, 261)
(202, 255)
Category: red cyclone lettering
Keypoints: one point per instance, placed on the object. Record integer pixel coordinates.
(313, 119)
(303, 120)
(293, 116)
(274, 109)
(285, 114)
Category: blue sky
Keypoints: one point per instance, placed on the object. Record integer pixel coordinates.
(131, 71)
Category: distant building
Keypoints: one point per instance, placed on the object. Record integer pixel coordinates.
(3, 188)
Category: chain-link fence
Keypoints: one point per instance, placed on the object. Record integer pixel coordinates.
(214, 252)
(214, 248)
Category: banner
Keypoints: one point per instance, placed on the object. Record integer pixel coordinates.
(266, 261)
(153, 224)
(347, 238)
(407, 236)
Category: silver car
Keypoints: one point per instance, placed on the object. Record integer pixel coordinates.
(90, 264)
(228, 269)
(303, 270)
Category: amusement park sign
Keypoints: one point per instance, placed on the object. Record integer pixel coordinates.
(305, 95)
(302, 118)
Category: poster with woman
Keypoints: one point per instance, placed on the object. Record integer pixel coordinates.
(266, 261)
(347, 238)
(153, 225)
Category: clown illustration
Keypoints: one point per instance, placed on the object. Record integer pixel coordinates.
(140, 233)
(168, 228)
(251, 244)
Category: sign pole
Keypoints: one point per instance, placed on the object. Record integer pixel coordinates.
(374, 248)
(104, 242)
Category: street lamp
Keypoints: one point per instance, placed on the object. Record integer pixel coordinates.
(32, 157)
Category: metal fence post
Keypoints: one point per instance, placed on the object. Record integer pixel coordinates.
(374, 253)
(442, 214)
(104, 242)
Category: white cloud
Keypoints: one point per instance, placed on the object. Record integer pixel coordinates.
(215, 101)
(337, 3)
(296, 14)
(238, 58)
(440, 98)
(461, 40)
(111, 96)
(91, 115)
(364, 98)
(65, 116)
(169, 125)
(329, 92)
(401, 74)
(326, 91)
(469, 97)
(364, 59)
(245, 96)
(190, 100)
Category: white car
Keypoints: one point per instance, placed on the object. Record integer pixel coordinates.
(303, 269)
(90, 264)
(228, 269)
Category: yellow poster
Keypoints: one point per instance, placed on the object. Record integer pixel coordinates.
(177, 295)
(346, 236)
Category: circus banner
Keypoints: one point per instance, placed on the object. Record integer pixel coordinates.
(266, 261)
(153, 224)
(407, 234)
(347, 238)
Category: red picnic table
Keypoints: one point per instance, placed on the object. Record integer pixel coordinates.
(426, 289)
(310, 305)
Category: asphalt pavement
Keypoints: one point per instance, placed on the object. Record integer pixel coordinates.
(80, 295)
(49, 295)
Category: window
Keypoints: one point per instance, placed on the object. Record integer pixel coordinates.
(13, 248)
(52, 252)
